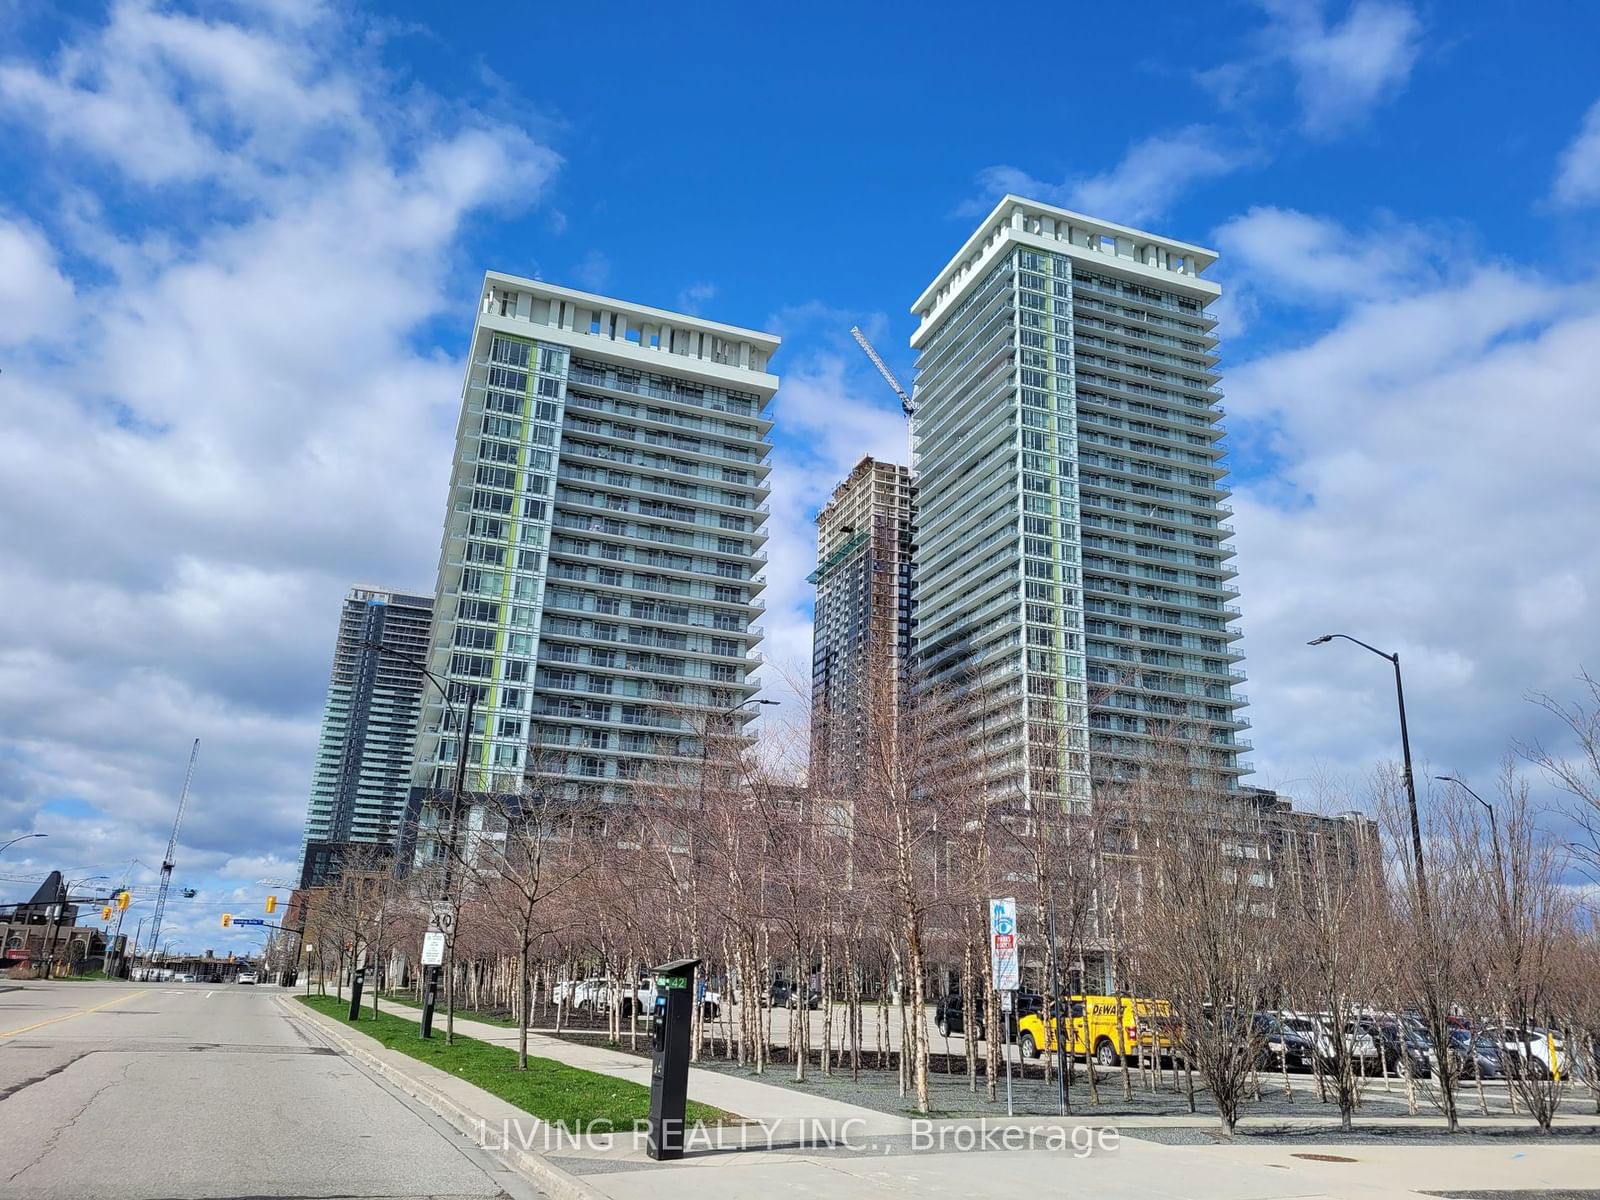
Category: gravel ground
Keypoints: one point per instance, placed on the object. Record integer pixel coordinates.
(1031, 1096)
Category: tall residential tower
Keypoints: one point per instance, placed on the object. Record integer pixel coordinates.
(1072, 568)
(600, 570)
(862, 634)
(363, 772)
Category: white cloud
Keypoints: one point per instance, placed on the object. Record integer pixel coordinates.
(1342, 69)
(1143, 186)
(1435, 485)
(1302, 257)
(695, 297)
(35, 298)
(243, 423)
(593, 271)
(1578, 173)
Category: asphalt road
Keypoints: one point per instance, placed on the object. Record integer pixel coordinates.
(146, 1091)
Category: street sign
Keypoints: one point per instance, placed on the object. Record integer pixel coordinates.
(442, 916)
(432, 948)
(248, 921)
(1003, 944)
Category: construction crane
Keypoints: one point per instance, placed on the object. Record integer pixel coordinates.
(883, 368)
(172, 852)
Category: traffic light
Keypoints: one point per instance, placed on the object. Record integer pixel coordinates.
(272, 904)
(123, 899)
(227, 920)
(105, 913)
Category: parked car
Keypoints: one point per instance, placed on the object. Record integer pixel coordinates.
(586, 994)
(246, 977)
(186, 977)
(784, 995)
(949, 1015)
(1476, 1056)
(1280, 1047)
(1105, 1026)
(1535, 1052)
(1420, 1057)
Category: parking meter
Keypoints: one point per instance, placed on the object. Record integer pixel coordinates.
(357, 978)
(671, 1018)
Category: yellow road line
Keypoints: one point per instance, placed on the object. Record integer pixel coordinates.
(82, 1012)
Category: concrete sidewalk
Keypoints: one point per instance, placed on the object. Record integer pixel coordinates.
(765, 1103)
(804, 1146)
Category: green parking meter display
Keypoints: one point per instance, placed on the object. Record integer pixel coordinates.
(671, 1017)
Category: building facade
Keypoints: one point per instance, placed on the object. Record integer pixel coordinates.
(362, 778)
(862, 634)
(1073, 575)
(600, 570)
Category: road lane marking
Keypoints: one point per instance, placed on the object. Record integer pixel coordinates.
(82, 1012)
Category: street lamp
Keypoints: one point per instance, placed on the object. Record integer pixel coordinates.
(61, 911)
(1494, 841)
(705, 738)
(7, 845)
(458, 785)
(1405, 748)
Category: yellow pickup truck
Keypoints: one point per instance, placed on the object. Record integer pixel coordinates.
(1099, 1025)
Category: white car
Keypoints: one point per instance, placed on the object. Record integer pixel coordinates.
(186, 977)
(1539, 1048)
(246, 977)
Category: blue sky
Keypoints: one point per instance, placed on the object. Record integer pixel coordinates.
(239, 252)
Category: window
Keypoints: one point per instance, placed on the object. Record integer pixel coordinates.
(477, 610)
(511, 697)
(529, 560)
(506, 350)
(496, 452)
(516, 672)
(474, 638)
(508, 304)
(471, 666)
(509, 727)
(494, 502)
(508, 380)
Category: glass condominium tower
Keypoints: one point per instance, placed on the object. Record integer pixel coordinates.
(1074, 583)
(363, 772)
(600, 570)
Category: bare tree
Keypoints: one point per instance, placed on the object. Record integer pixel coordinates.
(1208, 925)
(531, 848)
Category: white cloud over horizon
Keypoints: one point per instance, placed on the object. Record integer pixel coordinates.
(1142, 186)
(1342, 70)
(1578, 170)
(1431, 484)
(233, 423)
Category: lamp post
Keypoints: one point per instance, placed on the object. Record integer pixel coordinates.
(1499, 864)
(705, 738)
(458, 785)
(4, 846)
(61, 911)
(1405, 749)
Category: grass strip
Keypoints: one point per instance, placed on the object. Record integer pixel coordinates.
(468, 1014)
(567, 1097)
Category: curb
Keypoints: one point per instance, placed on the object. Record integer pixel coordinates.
(562, 1185)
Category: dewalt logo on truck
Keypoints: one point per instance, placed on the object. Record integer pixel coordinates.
(1102, 1026)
